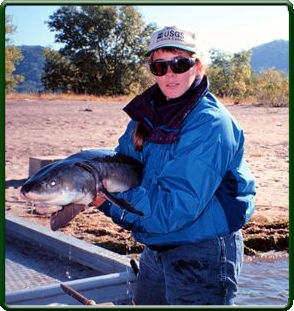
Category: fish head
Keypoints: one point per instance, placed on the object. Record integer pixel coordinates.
(60, 184)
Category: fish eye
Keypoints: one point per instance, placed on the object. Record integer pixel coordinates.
(52, 183)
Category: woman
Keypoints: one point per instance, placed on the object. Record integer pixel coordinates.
(196, 191)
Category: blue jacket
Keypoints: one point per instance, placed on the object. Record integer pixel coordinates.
(195, 188)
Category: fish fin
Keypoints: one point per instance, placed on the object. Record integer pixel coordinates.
(120, 202)
(63, 217)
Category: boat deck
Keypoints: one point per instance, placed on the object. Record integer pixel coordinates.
(28, 266)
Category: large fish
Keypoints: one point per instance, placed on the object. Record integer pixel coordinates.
(66, 187)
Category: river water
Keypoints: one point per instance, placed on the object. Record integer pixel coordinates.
(264, 282)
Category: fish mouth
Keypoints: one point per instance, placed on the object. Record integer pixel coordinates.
(60, 215)
(47, 202)
(37, 199)
(47, 209)
(40, 207)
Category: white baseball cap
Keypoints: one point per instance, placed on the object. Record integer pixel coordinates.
(172, 36)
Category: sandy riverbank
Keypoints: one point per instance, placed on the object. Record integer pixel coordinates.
(61, 127)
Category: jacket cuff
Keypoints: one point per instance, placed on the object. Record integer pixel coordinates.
(119, 216)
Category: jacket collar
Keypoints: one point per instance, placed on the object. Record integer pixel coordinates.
(161, 118)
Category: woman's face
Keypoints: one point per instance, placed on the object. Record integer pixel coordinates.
(174, 85)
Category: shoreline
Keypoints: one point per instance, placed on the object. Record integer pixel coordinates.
(263, 237)
(259, 237)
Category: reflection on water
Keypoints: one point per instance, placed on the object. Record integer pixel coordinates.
(264, 282)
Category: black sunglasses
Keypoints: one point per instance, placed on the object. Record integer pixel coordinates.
(177, 65)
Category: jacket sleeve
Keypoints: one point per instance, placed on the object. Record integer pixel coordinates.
(126, 145)
(186, 184)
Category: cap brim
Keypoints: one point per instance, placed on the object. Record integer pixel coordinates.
(178, 46)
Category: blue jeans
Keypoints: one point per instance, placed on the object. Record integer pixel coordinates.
(204, 273)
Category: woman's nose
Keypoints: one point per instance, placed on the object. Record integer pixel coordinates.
(169, 71)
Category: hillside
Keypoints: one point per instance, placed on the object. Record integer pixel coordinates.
(31, 67)
(274, 54)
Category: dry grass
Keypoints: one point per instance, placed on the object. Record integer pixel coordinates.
(228, 101)
(65, 97)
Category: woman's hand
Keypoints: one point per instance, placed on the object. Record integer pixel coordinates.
(99, 200)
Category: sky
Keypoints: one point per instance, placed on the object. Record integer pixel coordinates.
(231, 28)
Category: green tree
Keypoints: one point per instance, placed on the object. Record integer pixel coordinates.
(12, 56)
(272, 88)
(60, 75)
(219, 72)
(230, 75)
(240, 76)
(103, 51)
